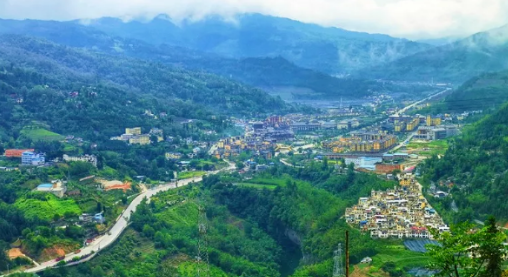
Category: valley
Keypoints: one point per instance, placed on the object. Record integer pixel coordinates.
(249, 146)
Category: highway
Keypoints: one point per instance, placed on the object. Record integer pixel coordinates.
(122, 222)
(409, 137)
(421, 101)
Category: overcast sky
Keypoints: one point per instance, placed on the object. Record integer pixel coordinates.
(412, 19)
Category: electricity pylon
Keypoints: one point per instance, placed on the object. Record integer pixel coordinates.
(338, 264)
(203, 269)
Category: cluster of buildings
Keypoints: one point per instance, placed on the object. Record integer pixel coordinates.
(426, 127)
(233, 146)
(134, 136)
(28, 156)
(92, 159)
(97, 218)
(364, 142)
(348, 124)
(401, 212)
(315, 125)
(405, 123)
(261, 138)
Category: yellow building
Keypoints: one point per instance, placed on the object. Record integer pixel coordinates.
(433, 121)
(399, 127)
(413, 124)
(220, 144)
(173, 156)
(141, 139)
(133, 131)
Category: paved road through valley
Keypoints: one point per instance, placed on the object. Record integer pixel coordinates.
(122, 222)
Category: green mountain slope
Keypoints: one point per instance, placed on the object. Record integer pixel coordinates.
(473, 170)
(137, 76)
(484, 92)
(330, 50)
(481, 92)
(455, 62)
(260, 72)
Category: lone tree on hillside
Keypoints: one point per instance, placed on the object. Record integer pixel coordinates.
(466, 251)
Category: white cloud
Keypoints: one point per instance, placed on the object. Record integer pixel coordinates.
(403, 18)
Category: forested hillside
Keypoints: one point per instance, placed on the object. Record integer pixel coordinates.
(329, 50)
(482, 92)
(455, 62)
(473, 170)
(485, 92)
(141, 77)
(257, 71)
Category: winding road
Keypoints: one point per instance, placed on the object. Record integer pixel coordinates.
(122, 222)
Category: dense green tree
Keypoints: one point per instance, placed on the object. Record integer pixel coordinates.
(468, 252)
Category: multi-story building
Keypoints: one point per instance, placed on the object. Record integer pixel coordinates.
(302, 127)
(140, 139)
(436, 132)
(31, 158)
(433, 121)
(369, 142)
(158, 133)
(348, 124)
(411, 126)
(173, 156)
(133, 131)
(85, 158)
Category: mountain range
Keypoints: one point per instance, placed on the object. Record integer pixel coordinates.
(330, 50)
(265, 72)
(271, 52)
(454, 63)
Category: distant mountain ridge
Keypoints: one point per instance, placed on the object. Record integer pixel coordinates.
(455, 62)
(257, 71)
(330, 50)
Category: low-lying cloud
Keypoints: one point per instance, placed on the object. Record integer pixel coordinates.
(403, 18)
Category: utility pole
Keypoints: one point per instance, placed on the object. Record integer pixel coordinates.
(347, 253)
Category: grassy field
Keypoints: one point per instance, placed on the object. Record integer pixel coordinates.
(398, 254)
(429, 148)
(257, 186)
(46, 209)
(189, 269)
(181, 215)
(268, 181)
(190, 174)
(40, 134)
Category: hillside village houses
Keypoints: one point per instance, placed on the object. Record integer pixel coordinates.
(85, 158)
(32, 158)
(56, 187)
(401, 212)
(134, 136)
